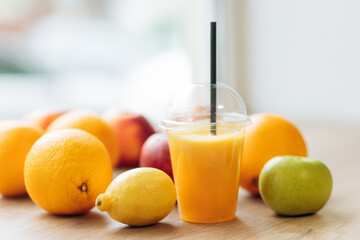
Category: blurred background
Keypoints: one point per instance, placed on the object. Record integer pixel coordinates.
(298, 59)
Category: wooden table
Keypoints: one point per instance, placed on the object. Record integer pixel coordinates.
(338, 147)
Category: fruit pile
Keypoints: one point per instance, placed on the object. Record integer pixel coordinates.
(64, 160)
(274, 165)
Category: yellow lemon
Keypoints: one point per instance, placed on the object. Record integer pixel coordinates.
(139, 197)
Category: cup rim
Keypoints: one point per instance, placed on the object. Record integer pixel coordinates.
(178, 125)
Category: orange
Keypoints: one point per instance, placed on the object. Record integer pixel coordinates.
(16, 139)
(66, 170)
(90, 123)
(268, 136)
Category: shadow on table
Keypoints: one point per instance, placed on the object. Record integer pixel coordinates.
(159, 229)
(83, 221)
(234, 228)
(15, 202)
(247, 197)
(184, 229)
(13, 198)
(319, 220)
(248, 202)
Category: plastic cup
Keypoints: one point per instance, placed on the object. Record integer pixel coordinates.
(206, 166)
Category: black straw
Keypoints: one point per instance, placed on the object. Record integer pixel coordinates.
(213, 77)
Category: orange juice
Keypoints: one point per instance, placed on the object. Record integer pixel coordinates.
(206, 172)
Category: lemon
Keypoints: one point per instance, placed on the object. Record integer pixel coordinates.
(139, 197)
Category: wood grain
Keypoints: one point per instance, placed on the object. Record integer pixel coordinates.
(338, 147)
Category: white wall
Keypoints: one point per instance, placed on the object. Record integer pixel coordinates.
(300, 59)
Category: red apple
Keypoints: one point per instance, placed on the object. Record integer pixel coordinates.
(155, 153)
(43, 117)
(132, 130)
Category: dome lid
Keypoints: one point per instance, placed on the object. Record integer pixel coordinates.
(190, 108)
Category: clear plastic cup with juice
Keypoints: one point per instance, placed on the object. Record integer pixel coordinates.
(206, 156)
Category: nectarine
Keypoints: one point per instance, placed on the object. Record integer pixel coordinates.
(155, 153)
(132, 130)
(43, 117)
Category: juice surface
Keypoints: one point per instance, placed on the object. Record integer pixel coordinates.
(206, 172)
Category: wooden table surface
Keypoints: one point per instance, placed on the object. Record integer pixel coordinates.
(338, 147)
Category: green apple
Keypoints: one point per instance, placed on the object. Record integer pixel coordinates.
(293, 186)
